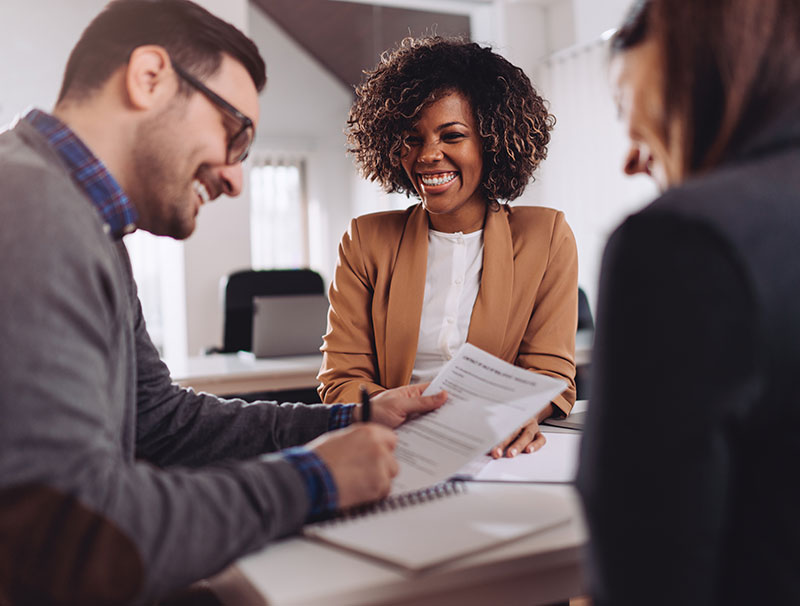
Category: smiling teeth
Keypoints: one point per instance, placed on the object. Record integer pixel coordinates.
(439, 179)
(201, 191)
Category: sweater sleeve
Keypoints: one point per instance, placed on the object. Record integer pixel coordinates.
(176, 426)
(82, 520)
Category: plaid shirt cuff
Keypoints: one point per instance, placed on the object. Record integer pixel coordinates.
(318, 480)
(341, 416)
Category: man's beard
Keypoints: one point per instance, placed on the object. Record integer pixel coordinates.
(164, 195)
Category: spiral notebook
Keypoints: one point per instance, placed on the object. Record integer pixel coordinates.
(429, 527)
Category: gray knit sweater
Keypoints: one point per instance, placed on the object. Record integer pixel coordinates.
(115, 484)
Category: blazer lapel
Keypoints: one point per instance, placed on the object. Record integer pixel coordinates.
(404, 309)
(487, 326)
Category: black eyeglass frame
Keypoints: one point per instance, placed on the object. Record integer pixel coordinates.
(247, 124)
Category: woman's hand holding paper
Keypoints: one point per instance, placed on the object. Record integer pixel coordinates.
(527, 439)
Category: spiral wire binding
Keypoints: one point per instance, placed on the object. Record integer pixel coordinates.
(400, 501)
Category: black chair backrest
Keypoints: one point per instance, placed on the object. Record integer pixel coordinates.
(242, 286)
(583, 374)
(584, 311)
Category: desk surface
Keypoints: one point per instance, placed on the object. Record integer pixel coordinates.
(540, 569)
(225, 374)
(237, 373)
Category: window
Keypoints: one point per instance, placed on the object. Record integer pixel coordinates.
(158, 269)
(278, 213)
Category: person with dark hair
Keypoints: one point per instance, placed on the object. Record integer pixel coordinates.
(686, 462)
(462, 129)
(116, 485)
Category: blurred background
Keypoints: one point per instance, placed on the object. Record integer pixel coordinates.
(301, 187)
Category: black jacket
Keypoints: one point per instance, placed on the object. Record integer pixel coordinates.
(688, 468)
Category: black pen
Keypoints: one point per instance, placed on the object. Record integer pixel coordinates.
(366, 406)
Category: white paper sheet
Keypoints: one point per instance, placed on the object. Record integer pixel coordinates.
(488, 400)
(556, 461)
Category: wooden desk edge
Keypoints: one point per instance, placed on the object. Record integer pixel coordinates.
(225, 385)
(542, 577)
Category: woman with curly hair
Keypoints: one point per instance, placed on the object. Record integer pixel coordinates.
(463, 130)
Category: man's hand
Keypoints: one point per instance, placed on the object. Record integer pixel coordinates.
(394, 406)
(361, 461)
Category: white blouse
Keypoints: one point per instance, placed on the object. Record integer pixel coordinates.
(453, 277)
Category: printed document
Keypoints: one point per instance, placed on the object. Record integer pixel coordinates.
(488, 400)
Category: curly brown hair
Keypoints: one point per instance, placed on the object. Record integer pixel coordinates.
(513, 121)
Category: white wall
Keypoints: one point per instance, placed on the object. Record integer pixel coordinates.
(558, 44)
(36, 37)
(523, 36)
(593, 17)
(304, 110)
(560, 24)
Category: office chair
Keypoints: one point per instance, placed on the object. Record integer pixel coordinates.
(583, 373)
(240, 287)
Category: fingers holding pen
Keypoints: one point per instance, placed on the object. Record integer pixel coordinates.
(361, 460)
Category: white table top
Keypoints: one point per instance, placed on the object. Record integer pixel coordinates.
(225, 374)
(236, 373)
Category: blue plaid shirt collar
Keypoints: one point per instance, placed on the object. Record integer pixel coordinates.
(89, 173)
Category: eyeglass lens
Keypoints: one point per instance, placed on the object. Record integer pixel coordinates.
(239, 145)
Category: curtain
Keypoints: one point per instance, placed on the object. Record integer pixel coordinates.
(278, 212)
(582, 174)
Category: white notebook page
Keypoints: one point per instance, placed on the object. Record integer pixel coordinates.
(425, 534)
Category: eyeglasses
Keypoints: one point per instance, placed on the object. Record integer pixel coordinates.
(239, 144)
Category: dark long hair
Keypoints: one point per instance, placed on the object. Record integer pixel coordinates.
(730, 66)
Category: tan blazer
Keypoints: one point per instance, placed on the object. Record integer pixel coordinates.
(526, 311)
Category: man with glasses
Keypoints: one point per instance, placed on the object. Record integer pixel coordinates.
(116, 485)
